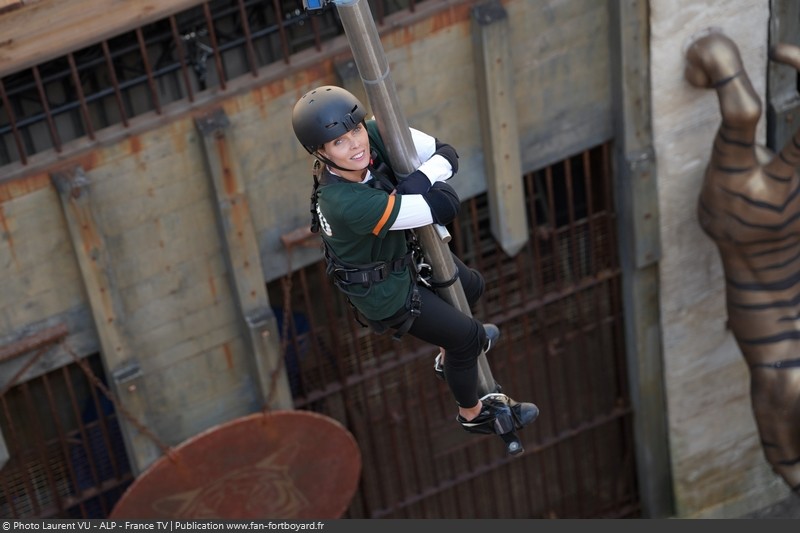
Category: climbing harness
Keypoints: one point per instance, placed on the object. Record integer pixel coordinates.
(358, 279)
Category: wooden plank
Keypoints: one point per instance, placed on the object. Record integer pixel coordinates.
(498, 116)
(97, 272)
(244, 259)
(37, 31)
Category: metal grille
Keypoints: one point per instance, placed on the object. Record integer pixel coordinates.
(141, 71)
(67, 458)
(558, 306)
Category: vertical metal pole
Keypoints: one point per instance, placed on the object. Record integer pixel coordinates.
(362, 34)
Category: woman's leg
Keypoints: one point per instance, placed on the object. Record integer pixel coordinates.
(471, 281)
(461, 336)
(473, 285)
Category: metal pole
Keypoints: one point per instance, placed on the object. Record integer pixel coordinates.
(373, 67)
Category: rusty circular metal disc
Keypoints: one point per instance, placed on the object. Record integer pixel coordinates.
(279, 464)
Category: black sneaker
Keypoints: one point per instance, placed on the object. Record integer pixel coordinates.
(500, 415)
(492, 334)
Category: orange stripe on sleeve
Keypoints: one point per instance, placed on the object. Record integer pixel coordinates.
(386, 213)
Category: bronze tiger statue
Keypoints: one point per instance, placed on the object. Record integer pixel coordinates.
(749, 205)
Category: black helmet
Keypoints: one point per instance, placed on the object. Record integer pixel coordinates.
(324, 114)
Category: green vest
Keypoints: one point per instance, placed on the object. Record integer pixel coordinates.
(354, 223)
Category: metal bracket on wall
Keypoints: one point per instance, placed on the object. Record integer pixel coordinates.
(127, 373)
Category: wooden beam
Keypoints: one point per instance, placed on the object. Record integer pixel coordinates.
(498, 118)
(32, 32)
(244, 258)
(74, 190)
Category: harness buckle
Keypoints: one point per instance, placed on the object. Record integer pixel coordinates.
(345, 275)
(425, 273)
(416, 303)
(381, 270)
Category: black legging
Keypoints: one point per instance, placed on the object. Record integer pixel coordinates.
(461, 336)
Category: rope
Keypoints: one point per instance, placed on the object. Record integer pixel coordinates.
(166, 450)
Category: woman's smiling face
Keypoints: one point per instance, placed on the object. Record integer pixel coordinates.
(350, 153)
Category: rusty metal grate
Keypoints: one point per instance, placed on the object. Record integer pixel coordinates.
(141, 71)
(558, 305)
(67, 458)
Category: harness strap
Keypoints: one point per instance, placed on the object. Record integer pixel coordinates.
(414, 310)
(432, 283)
(369, 274)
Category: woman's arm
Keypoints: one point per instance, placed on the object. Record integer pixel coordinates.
(440, 165)
(440, 205)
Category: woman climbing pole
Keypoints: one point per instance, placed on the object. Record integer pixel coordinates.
(366, 217)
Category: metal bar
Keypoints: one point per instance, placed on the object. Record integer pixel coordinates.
(426, 461)
(212, 35)
(84, 437)
(39, 441)
(33, 119)
(554, 351)
(317, 33)
(319, 355)
(16, 453)
(574, 265)
(180, 52)
(112, 72)
(337, 343)
(29, 363)
(251, 53)
(499, 463)
(154, 37)
(475, 232)
(544, 330)
(151, 75)
(5, 492)
(62, 440)
(588, 181)
(281, 30)
(20, 454)
(54, 138)
(146, 62)
(103, 424)
(23, 156)
(76, 79)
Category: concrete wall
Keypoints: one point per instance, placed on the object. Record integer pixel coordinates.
(718, 466)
